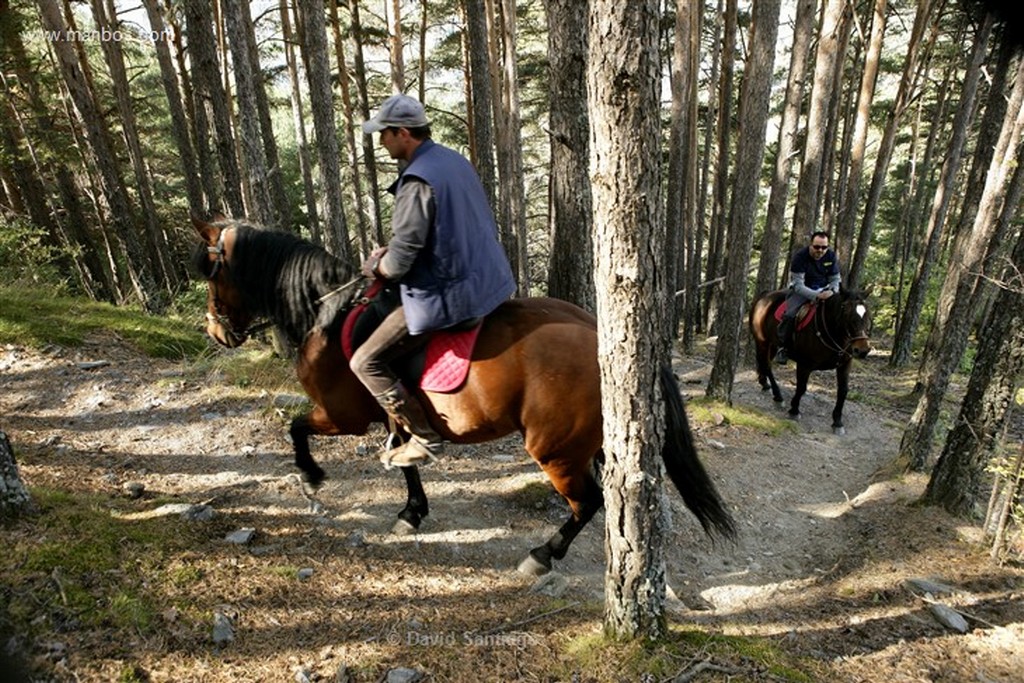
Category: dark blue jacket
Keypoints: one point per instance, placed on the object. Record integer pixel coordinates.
(462, 271)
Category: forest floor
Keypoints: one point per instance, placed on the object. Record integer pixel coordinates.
(324, 591)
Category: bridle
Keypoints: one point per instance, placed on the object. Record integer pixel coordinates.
(220, 262)
(217, 316)
(827, 339)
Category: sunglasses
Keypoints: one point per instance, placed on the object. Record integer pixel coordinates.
(819, 247)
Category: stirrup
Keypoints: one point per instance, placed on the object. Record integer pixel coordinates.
(781, 357)
(412, 452)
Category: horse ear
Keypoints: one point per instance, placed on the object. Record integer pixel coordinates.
(207, 231)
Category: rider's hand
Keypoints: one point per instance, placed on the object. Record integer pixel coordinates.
(825, 294)
(369, 268)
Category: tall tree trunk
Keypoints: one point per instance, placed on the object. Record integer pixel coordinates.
(101, 145)
(680, 205)
(369, 159)
(158, 251)
(623, 79)
(908, 80)
(481, 142)
(397, 57)
(805, 218)
(943, 193)
(179, 122)
(209, 92)
(858, 144)
(756, 89)
(356, 186)
(720, 190)
(691, 14)
(14, 497)
(510, 154)
(771, 241)
(299, 123)
(260, 204)
(321, 97)
(570, 267)
(959, 475)
(963, 277)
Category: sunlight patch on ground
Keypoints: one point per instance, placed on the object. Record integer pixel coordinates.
(455, 535)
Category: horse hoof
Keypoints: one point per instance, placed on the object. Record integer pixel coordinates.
(532, 567)
(838, 431)
(403, 528)
(313, 480)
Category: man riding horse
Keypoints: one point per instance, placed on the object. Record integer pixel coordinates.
(445, 255)
(813, 275)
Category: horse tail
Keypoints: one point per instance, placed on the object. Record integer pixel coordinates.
(684, 467)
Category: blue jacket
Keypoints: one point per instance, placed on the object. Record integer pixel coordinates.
(462, 271)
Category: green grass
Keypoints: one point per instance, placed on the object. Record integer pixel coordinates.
(37, 319)
(96, 568)
(680, 649)
(704, 410)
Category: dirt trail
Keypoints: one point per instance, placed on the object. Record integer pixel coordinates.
(820, 565)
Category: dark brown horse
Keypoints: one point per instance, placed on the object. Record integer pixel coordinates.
(836, 335)
(534, 370)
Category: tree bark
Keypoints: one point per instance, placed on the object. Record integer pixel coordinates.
(179, 122)
(771, 242)
(299, 123)
(720, 189)
(958, 479)
(209, 92)
(847, 220)
(321, 97)
(805, 218)
(963, 277)
(757, 82)
(364, 110)
(943, 193)
(622, 85)
(75, 77)
(481, 143)
(570, 266)
(908, 80)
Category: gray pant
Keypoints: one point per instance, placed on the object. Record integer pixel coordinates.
(372, 361)
(793, 303)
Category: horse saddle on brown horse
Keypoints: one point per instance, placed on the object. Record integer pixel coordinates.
(440, 366)
(803, 317)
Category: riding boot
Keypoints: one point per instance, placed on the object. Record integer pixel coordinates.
(785, 333)
(425, 445)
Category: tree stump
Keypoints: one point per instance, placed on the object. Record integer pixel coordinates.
(14, 497)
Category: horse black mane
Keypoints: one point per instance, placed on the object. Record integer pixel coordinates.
(283, 277)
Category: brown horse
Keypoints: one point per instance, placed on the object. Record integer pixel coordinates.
(534, 370)
(836, 335)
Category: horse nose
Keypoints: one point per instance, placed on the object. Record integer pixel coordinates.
(861, 352)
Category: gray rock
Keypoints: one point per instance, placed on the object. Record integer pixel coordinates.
(949, 617)
(303, 676)
(305, 573)
(344, 675)
(241, 536)
(403, 675)
(223, 629)
(921, 585)
(199, 513)
(133, 489)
